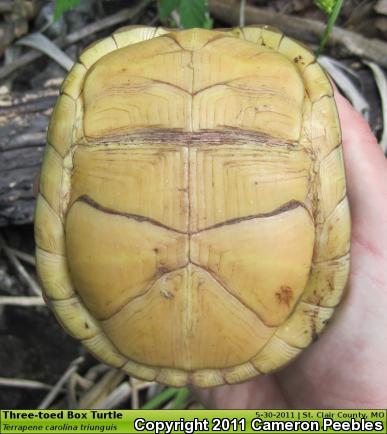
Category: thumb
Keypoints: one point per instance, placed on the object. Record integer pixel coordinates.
(366, 170)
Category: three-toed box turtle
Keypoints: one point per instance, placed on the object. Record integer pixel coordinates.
(192, 224)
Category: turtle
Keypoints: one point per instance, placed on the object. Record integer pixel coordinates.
(192, 225)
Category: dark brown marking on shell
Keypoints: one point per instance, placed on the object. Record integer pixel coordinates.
(285, 295)
(281, 209)
(226, 136)
(89, 201)
(313, 327)
(330, 283)
(288, 206)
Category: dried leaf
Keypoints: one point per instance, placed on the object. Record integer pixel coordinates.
(43, 44)
(339, 74)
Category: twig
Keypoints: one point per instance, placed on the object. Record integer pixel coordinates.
(26, 257)
(111, 21)
(117, 397)
(98, 393)
(71, 392)
(135, 398)
(21, 301)
(142, 384)
(305, 29)
(95, 371)
(49, 398)
(34, 287)
(71, 389)
(22, 383)
(176, 17)
(82, 382)
(136, 386)
(359, 13)
(242, 12)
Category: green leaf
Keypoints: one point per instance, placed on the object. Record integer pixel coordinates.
(161, 398)
(166, 7)
(61, 6)
(208, 23)
(194, 13)
(181, 399)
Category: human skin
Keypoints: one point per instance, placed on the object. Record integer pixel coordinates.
(347, 366)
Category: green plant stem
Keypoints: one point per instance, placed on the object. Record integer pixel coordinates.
(331, 22)
(162, 397)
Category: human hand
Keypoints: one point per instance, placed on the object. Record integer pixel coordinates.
(346, 367)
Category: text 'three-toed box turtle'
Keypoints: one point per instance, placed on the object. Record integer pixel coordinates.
(192, 224)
